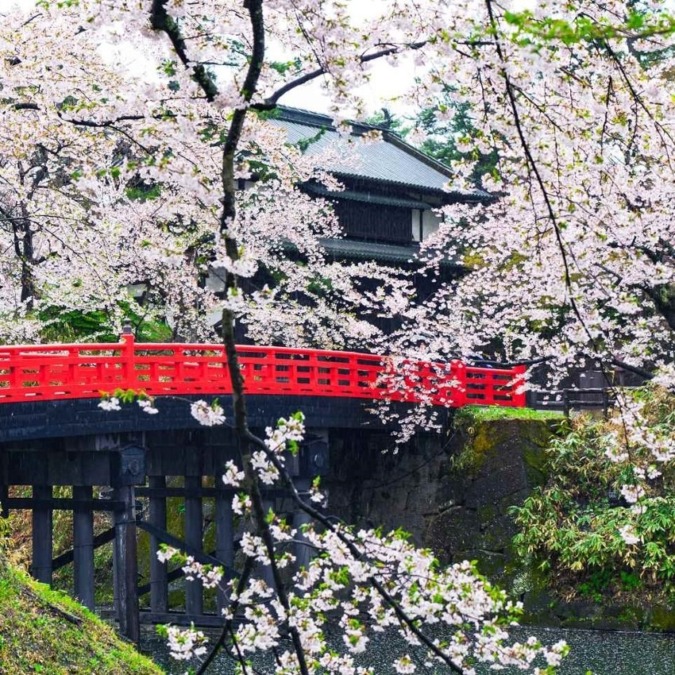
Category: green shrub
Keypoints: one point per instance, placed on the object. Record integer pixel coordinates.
(571, 527)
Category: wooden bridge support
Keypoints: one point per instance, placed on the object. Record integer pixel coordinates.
(125, 565)
(42, 534)
(224, 535)
(159, 586)
(83, 546)
(177, 465)
(194, 598)
(303, 553)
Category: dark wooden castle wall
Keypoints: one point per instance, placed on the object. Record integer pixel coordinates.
(375, 222)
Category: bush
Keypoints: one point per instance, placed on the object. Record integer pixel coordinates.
(580, 530)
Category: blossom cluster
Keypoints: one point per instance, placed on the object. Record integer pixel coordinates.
(185, 643)
(286, 434)
(206, 414)
(114, 402)
(209, 575)
(353, 582)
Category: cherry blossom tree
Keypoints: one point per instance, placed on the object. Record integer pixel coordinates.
(573, 264)
(114, 178)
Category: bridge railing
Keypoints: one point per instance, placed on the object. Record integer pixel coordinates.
(52, 372)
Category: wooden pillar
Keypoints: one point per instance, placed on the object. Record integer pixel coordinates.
(224, 534)
(4, 494)
(83, 547)
(159, 589)
(4, 484)
(194, 602)
(126, 565)
(266, 570)
(303, 553)
(42, 535)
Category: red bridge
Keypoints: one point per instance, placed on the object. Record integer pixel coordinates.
(63, 371)
(52, 433)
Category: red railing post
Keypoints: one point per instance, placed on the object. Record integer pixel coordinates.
(519, 396)
(128, 353)
(458, 392)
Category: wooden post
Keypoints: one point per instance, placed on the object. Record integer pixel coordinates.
(83, 547)
(4, 494)
(303, 553)
(128, 355)
(266, 570)
(194, 601)
(224, 534)
(159, 588)
(126, 566)
(42, 535)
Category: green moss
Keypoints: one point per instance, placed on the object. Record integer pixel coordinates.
(45, 631)
(535, 461)
(486, 432)
(663, 618)
(487, 413)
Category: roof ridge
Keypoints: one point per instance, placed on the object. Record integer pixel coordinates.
(311, 118)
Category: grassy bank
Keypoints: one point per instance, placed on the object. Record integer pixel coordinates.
(44, 631)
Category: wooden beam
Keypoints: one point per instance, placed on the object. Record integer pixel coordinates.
(159, 586)
(42, 534)
(199, 491)
(175, 618)
(40, 502)
(196, 553)
(99, 540)
(83, 547)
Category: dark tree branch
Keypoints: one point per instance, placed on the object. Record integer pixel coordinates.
(535, 171)
(227, 628)
(271, 101)
(161, 21)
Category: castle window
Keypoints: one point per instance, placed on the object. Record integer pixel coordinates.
(424, 223)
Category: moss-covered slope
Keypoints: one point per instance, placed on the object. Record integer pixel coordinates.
(44, 631)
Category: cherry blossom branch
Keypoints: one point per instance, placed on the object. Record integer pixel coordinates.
(161, 21)
(662, 131)
(271, 101)
(535, 169)
(358, 555)
(227, 628)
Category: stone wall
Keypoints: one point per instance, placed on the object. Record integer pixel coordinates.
(451, 491)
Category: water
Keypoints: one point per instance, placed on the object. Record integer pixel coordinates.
(601, 652)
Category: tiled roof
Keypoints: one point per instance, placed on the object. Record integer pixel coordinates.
(367, 197)
(391, 160)
(370, 250)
